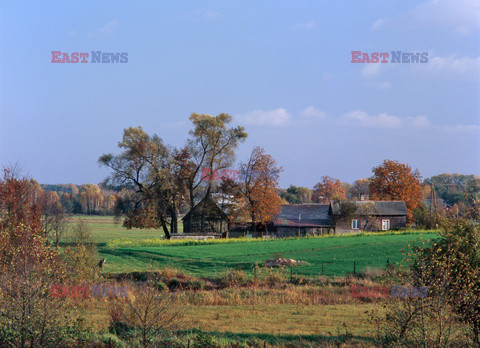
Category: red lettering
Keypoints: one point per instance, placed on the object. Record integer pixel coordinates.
(55, 58)
(384, 56)
(75, 57)
(355, 292)
(65, 58)
(84, 57)
(225, 174)
(56, 290)
(365, 58)
(374, 57)
(206, 174)
(355, 57)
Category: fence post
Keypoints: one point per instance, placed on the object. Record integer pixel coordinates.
(354, 267)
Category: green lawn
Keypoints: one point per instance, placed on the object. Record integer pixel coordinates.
(334, 256)
(104, 229)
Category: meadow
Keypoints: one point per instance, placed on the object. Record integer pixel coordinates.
(141, 250)
(315, 311)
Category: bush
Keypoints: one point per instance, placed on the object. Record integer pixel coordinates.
(235, 278)
(145, 317)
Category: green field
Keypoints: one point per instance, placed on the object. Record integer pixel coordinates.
(104, 229)
(331, 256)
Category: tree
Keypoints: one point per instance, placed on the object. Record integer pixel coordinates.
(91, 198)
(29, 316)
(449, 269)
(359, 188)
(53, 218)
(145, 164)
(394, 181)
(149, 316)
(297, 195)
(328, 189)
(212, 146)
(259, 187)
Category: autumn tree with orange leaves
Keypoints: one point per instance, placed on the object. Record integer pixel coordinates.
(328, 189)
(259, 187)
(28, 270)
(395, 181)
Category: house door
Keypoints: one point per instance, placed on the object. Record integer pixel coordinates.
(385, 225)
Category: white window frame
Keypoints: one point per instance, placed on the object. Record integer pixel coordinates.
(357, 224)
(386, 221)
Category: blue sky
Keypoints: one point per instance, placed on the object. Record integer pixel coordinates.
(281, 68)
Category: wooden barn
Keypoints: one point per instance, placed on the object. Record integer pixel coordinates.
(302, 220)
(206, 217)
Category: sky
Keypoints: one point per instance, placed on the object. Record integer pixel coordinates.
(282, 69)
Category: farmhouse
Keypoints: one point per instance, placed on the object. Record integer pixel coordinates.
(371, 216)
(317, 219)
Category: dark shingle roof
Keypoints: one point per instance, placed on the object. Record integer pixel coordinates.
(378, 208)
(303, 215)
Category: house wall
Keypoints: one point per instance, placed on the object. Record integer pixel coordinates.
(371, 224)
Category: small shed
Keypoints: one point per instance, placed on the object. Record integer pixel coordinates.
(205, 217)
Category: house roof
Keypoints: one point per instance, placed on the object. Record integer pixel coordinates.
(303, 215)
(209, 206)
(377, 208)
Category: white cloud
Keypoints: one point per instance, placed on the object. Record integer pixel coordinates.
(461, 16)
(378, 24)
(371, 69)
(307, 25)
(109, 27)
(276, 117)
(418, 122)
(456, 65)
(313, 113)
(356, 118)
(360, 118)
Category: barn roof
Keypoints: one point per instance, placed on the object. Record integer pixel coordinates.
(303, 215)
(209, 206)
(378, 208)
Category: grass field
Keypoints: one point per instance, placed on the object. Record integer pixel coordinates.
(104, 229)
(331, 256)
(268, 320)
(327, 320)
(334, 256)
